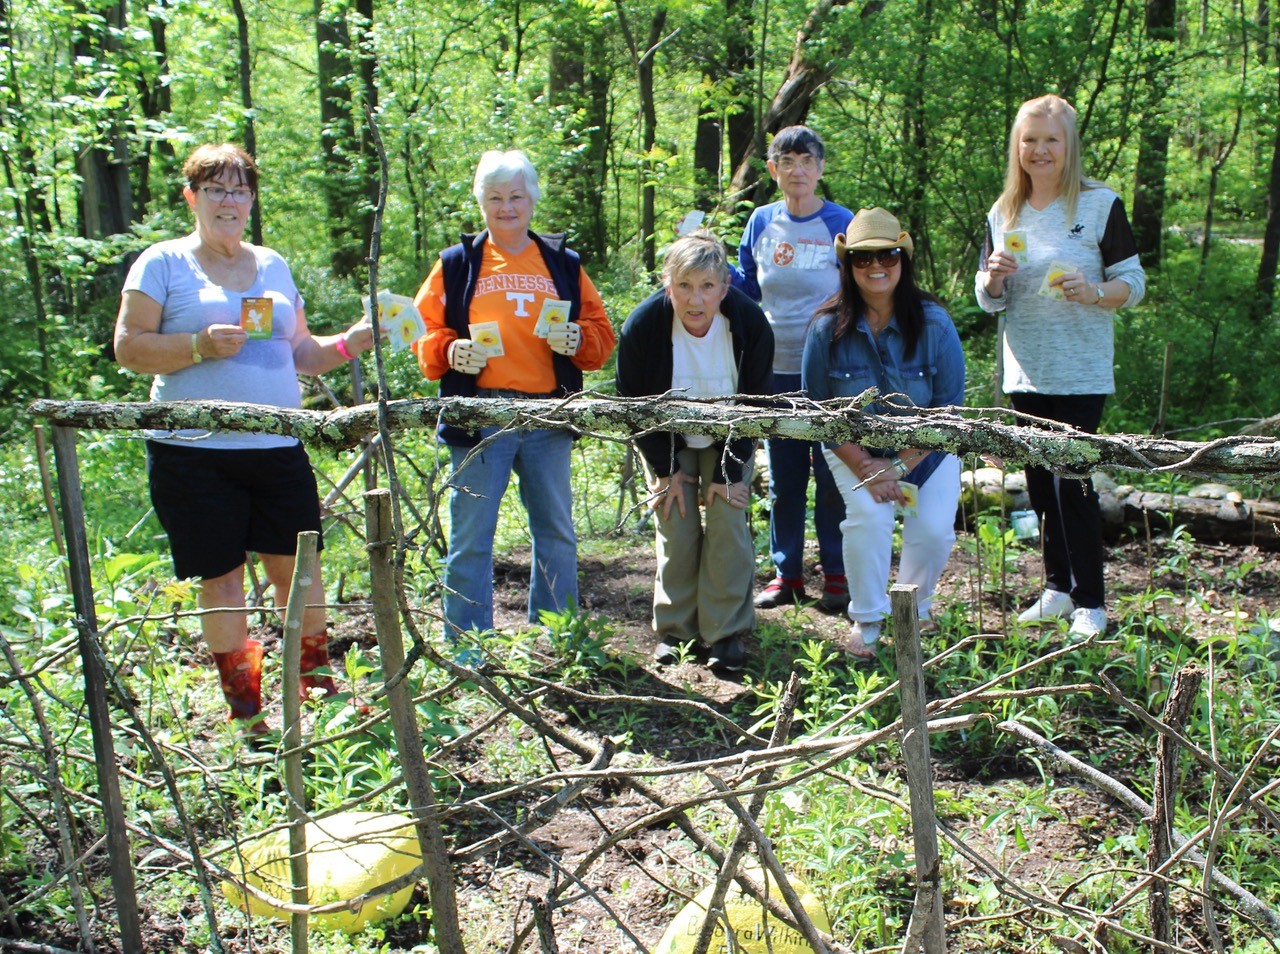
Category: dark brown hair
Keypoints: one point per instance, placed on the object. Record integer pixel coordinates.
(908, 303)
(210, 161)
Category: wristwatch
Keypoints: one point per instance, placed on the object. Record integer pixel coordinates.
(196, 356)
(899, 465)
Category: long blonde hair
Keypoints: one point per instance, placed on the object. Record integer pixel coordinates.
(1017, 184)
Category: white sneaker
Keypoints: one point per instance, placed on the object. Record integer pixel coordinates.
(1051, 605)
(1087, 623)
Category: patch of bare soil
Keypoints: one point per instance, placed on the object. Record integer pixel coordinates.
(1060, 836)
(633, 883)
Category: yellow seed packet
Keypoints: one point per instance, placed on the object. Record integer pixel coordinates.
(910, 507)
(1015, 243)
(398, 318)
(554, 312)
(256, 315)
(1056, 270)
(487, 337)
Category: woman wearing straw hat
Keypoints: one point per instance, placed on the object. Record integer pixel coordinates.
(881, 331)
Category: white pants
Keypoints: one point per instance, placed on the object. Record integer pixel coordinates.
(867, 531)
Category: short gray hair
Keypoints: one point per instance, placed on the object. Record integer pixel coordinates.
(699, 251)
(497, 167)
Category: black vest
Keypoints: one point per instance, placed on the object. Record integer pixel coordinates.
(461, 266)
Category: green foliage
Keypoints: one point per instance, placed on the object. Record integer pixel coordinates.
(449, 86)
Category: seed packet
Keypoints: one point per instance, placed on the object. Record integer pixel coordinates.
(256, 316)
(554, 312)
(487, 338)
(398, 318)
(1015, 243)
(1056, 270)
(691, 221)
(910, 507)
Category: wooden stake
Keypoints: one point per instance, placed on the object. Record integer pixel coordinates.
(381, 537)
(1177, 710)
(915, 753)
(93, 662)
(304, 570)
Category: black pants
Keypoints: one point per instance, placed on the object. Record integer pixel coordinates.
(1070, 518)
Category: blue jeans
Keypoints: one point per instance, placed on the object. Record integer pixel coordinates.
(789, 463)
(479, 478)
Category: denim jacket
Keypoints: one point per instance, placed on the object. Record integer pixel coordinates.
(932, 377)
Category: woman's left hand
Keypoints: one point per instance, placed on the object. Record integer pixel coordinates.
(565, 339)
(736, 495)
(880, 480)
(1077, 288)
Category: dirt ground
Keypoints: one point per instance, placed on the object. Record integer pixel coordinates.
(633, 880)
(636, 876)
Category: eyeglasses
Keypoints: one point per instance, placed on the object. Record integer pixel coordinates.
(807, 162)
(885, 256)
(238, 196)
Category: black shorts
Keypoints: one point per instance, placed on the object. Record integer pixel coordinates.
(218, 505)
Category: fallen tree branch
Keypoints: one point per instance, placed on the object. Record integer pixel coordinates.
(1249, 902)
(961, 431)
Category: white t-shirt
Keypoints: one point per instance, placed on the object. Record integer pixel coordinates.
(703, 367)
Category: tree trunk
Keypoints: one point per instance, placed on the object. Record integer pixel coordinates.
(708, 148)
(343, 182)
(648, 137)
(1246, 523)
(740, 57)
(30, 207)
(1265, 286)
(366, 166)
(1153, 144)
(156, 99)
(1264, 32)
(581, 95)
(790, 105)
(244, 69)
(915, 134)
(106, 206)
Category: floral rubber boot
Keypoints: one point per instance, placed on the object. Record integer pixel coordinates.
(315, 655)
(241, 674)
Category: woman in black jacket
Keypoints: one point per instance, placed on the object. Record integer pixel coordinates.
(702, 339)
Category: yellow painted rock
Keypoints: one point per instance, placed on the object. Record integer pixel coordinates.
(748, 920)
(348, 854)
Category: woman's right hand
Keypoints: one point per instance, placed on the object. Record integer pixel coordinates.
(465, 356)
(1000, 265)
(221, 341)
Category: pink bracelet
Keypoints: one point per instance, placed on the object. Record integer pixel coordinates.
(341, 347)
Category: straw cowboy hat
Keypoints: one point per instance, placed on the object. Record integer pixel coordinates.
(873, 229)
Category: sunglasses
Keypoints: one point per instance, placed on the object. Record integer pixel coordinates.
(884, 256)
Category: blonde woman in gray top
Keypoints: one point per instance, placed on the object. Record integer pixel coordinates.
(1059, 259)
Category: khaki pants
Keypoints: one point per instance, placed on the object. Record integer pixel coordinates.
(705, 574)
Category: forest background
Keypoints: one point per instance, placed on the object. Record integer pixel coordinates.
(635, 113)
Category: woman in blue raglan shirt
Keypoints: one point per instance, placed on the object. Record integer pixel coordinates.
(787, 263)
(881, 331)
